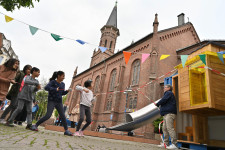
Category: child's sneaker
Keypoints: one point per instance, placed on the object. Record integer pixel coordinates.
(162, 145)
(10, 124)
(2, 121)
(81, 133)
(28, 127)
(172, 146)
(67, 132)
(34, 128)
(77, 133)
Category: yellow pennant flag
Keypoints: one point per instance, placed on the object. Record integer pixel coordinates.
(164, 56)
(8, 19)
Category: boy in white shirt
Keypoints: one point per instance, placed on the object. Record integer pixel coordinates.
(86, 99)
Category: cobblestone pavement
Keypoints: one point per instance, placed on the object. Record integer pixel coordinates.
(19, 138)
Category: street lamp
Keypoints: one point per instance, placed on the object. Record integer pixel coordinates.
(126, 92)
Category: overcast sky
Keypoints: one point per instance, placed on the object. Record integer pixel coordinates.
(83, 20)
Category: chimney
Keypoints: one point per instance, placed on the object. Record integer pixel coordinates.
(181, 19)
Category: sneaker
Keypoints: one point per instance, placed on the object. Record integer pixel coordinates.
(162, 145)
(172, 146)
(81, 133)
(67, 132)
(19, 123)
(77, 133)
(28, 127)
(10, 124)
(2, 121)
(34, 128)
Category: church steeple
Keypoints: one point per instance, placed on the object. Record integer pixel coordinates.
(110, 32)
(112, 21)
(155, 24)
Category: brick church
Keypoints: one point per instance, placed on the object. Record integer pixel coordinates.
(109, 72)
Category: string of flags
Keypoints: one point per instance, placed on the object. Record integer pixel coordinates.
(183, 57)
(126, 54)
(56, 37)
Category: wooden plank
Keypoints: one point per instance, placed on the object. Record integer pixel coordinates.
(220, 107)
(184, 89)
(191, 142)
(205, 130)
(195, 128)
(220, 102)
(209, 84)
(217, 143)
(219, 67)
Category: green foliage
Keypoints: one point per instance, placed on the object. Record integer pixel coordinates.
(11, 5)
(156, 124)
(42, 97)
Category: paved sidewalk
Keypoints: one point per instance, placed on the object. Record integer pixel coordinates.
(19, 138)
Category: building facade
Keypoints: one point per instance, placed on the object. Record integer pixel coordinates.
(110, 73)
(6, 51)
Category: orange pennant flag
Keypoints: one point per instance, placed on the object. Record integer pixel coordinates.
(126, 56)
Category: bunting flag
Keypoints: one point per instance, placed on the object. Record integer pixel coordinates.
(220, 57)
(81, 42)
(103, 49)
(144, 57)
(222, 52)
(8, 19)
(202, 57)
(184, 59)
(56, 37)
(164, 56)
(33, 30)
(126, 56)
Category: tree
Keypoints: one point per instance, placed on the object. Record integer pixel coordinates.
(42, 97)
(11, 5)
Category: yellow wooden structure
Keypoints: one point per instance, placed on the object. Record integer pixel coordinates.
(201, 92)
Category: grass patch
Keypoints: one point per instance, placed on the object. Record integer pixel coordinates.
(46, 142)
(32, 142)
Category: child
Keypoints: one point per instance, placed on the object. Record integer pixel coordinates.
(26, 96)
(55, 88)
(74, 115)
(7, 75)
(13, 93)
(86, 99)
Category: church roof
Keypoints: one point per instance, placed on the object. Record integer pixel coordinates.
(134, 44)
(112, 21)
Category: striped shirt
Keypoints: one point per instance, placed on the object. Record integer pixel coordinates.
(85, 98)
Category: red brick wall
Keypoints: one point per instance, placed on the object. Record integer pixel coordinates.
(167, 43)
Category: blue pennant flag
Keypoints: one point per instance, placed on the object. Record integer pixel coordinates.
(222, 52)
(103, 49)
(81, 42)
(220, 56)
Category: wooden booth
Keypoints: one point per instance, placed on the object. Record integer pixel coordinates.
(200, 89)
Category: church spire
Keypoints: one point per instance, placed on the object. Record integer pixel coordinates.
(110, 32)
(155, 24)
(112, 21)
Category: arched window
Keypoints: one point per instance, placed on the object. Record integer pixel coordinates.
(112, 80)
(135, 72)
(133, 103)
(109, 105)
(110, 46)
(105, 43)
(96, 87)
